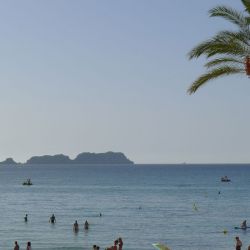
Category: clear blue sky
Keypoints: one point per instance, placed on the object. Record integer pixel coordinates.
(95, 76)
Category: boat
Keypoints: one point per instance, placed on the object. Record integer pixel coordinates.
(27, 182)
(225, 179)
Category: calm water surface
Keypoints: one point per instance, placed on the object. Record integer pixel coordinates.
(143, 204)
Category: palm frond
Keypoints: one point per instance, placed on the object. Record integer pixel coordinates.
(224, 60)
(218, 46)
(246, 3)
(232, 36)
(248, 20)
(215, 73)
(229, 14)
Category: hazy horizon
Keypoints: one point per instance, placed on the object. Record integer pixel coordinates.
(98, 76)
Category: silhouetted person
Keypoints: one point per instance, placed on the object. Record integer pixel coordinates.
(238, 244)
(120, 243)
(52, 219)
(28, 246)
(16, 247)
(86, 225)
(75, 227)
(26, 218)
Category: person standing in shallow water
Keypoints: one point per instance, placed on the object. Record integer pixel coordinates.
(75, 227)
(52, 219)
(115, 244)
(86, 225)
(26, 218)
(16, 247)
(28, 246)
(120, 243)
(238, 243)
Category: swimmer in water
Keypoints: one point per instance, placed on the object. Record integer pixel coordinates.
(52, 219)
(75, 227)
(86, 225)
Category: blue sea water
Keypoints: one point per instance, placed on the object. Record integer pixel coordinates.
(178, 205)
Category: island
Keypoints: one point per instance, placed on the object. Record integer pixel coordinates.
(102, 158)
(49, 159)
(9, 161)
(82, 158)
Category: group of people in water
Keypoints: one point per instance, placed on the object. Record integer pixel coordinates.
(238, 244)
(118, 244)
(52, 220)
(76, 226)
(16, 247)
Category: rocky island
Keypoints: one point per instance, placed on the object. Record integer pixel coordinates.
(9, 161)
(82, 158)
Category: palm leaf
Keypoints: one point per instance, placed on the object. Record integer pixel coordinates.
(246, 3)
(231, 36)
(227, 49)
(215, 73)
(218, 46)
(229, 14)
(223, 60)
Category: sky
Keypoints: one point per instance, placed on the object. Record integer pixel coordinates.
(97, 76)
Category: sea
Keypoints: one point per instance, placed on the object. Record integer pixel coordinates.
(185, 207)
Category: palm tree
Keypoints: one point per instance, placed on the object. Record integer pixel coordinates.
(228, 52)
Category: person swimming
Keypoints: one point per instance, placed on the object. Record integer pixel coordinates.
(52, 219)
(26, 218)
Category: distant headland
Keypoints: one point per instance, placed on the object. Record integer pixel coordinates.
(82, 158)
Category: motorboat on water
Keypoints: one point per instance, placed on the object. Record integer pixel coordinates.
(225, 179)
(27, 182)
